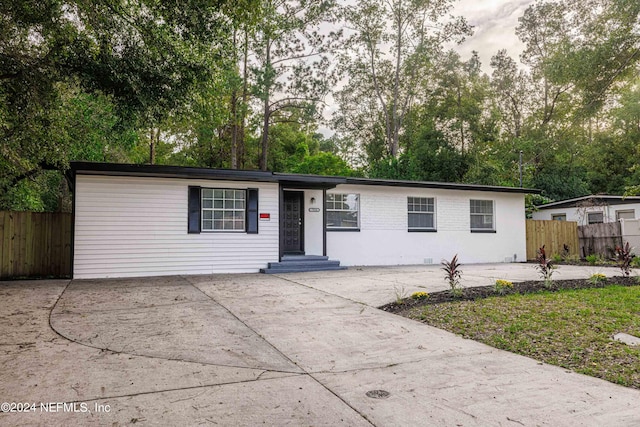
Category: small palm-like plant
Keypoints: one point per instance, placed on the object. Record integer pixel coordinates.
(624, 257)
(545, 266)
(452, 268)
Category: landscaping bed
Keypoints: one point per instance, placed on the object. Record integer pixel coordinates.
(478, 292)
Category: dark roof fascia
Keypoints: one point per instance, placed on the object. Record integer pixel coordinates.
(286, 180)
(160, 171)
(441, 185)
(319, 182)
(572, 203)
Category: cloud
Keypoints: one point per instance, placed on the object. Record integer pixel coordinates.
(494, 24)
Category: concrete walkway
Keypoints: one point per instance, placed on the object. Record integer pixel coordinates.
(299, 349)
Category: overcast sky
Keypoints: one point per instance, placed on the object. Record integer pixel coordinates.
(494, 23)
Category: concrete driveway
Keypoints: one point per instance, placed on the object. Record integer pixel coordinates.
(299, 349)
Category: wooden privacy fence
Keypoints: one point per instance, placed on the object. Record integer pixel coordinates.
(553, 235)
(599, 239)
(34, 244)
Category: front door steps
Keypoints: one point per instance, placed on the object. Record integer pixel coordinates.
(302, 263)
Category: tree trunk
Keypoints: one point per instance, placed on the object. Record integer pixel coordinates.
(265, 135)
(393, 149)
(460, 121)
(234, 109)
(152, 146)
(266, 111)
(245, 100)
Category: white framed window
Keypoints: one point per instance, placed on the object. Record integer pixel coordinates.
(482, 216)
(595, 218)
(343, 211)
(421, 213)
(223, 209)
(626, 214)
(559, 217)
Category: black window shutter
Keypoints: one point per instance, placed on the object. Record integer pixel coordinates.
(194, 210)
(252, 211)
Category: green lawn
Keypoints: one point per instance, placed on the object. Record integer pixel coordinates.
(571, 329)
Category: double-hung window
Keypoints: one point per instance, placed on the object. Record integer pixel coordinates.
(223, 209)
(626, 214)
(421, 212)
(343, 211)
(595, 217)
(482, 217)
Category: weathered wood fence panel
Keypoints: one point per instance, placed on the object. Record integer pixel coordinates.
(35, 244)
(599, 239)
(553, 235)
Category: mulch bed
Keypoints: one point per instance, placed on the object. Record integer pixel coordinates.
(479, 292)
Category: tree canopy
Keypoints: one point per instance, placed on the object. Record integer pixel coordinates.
(366, 88)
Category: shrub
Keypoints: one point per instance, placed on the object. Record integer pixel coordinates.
(419, 295)
(401, 294)
(502, 286)
(623, 257)
(556, 258)
(597, 278)
(452, 268)
(635, 262)
(545, 267)
(572, 258)
(592, 259)
(565, 252)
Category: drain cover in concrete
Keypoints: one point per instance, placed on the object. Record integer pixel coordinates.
(378, 394)
(626, 338)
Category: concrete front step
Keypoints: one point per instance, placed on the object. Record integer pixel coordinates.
(300, 270)
(287, 258)
(302, 263)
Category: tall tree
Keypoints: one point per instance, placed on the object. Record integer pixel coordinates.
(603, 50)
(144, 55)
(543, 29)
(290, 63)
(459, 99)
(390, 51)
(513, 92)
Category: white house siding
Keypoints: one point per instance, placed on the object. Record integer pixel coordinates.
(132, 226)
(579, 215)
(383, 238)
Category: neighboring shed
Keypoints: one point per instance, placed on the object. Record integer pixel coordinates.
(594, 209)
(142, 220)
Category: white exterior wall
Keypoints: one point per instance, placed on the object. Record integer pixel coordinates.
(132, 226)
(313, 235)
(579, 215)
(383, 238)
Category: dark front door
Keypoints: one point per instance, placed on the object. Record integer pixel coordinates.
(292, 229)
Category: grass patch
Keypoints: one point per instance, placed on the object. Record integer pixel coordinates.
(568, 328)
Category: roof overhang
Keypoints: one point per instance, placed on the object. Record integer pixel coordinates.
(440, 185)
(597, 200)
(161, 171)
(284, 179)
